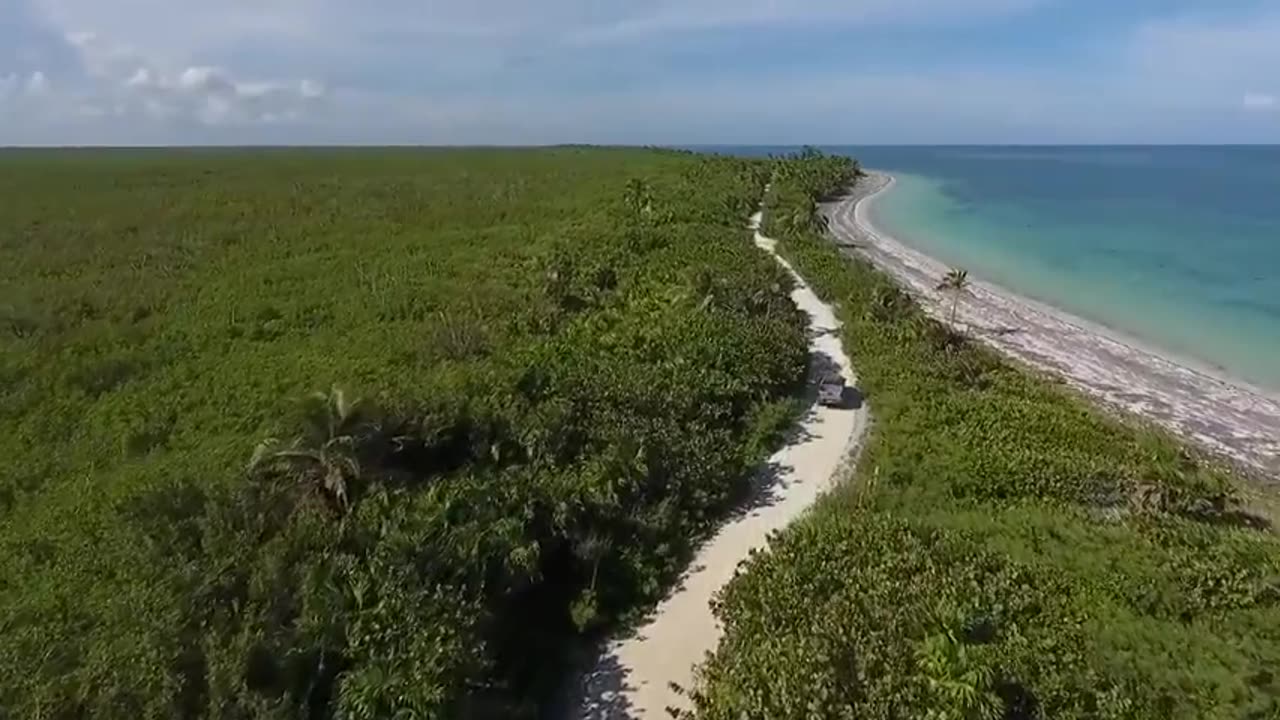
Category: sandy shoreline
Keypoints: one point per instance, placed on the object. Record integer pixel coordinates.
(1223, 415)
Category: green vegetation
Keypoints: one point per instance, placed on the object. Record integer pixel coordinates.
(559, 367)
(370, 434)
(1004, 550)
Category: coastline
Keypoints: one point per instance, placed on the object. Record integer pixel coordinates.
(1227, 416)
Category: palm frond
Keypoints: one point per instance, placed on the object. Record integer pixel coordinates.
(263, 452)
(338, 399)
(325, 458)
(335, 485)
(954, 280)
(310, 455)
(593, 547)
(317, 415)
(341, 443)
(348, 465)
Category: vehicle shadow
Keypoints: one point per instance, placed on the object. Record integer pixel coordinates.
(852, 399)
(822, 365)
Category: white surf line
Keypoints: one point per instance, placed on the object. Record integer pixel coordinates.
(633, 677)
(1226, 416)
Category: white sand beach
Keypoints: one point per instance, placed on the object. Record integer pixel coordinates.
(1227, 417)
(633, 677)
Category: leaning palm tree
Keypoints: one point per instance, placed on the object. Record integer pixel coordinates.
(325, 458)
(954, 282)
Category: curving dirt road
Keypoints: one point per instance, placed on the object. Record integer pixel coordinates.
(633, 677)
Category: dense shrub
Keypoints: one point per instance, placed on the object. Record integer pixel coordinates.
(569, 359)
(1003, 550)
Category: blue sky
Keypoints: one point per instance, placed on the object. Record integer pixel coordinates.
(628, 71)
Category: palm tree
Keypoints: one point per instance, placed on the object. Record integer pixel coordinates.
(638, 197)
(802, 218)
(593, 549)
(326, 457)
(954, 282)
(960, 685)
(817, 222)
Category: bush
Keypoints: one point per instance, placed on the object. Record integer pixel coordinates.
(1004, 549)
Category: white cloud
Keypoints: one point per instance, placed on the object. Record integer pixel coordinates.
(205, 80)
(103, 59)
(441, 71)
(112, 80)
(255, 90)
(141, 78)
(638, 21)
(1209, 60)
(1260, 101)
(37, 84)
(311, 89)
(465, 42)
(187, 25)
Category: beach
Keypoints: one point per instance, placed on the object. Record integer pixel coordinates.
(1228, 417)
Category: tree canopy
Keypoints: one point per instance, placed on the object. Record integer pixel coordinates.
(568, 362)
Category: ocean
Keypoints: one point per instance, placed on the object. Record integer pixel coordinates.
(1177, 247)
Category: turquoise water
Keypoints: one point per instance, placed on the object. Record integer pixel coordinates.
(1176, 246)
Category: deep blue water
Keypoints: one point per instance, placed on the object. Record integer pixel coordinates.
(1176, 246)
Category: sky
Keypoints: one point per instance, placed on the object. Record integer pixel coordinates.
(440, 72)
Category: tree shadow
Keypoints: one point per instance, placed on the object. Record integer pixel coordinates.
(1234, 518)
(1019, 702)
(768, 483)
(767, 486)
(1002, 330)
(604, 693)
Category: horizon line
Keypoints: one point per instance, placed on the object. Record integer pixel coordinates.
(638, 146)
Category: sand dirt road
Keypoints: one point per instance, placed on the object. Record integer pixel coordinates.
(633, 676)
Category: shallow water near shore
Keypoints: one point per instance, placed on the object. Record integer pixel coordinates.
(1178, 247)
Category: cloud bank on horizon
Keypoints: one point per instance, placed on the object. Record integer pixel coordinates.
(619, 71)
